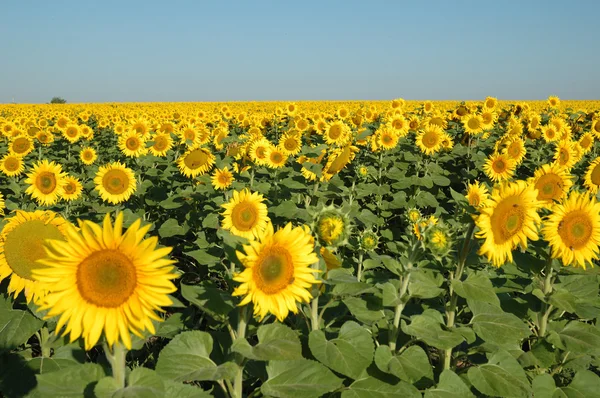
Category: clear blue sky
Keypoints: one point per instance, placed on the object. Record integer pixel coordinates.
(101, 51)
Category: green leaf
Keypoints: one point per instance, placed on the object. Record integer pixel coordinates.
(411, 365)
(141, 383)
(499, 328)
(211, 221)
(543, 385)
(69, 382)
(359, 307)
(581, 338)
(180, 390)
(449, 386)
(370, 387)
(501, 376)
(212, 300)
(349, 354)
(440, 180)
(477, 287)
(170, 228)
(585, 384)
(286, 209)
(203, 257)
(186, 358)
(173, 202)
(275, 342)
(16, 327)
(430, 331)
(424, 284)
(300, 378)
(292, 184)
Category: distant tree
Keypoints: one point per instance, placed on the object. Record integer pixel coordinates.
(58, 100)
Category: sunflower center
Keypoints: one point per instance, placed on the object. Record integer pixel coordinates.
(132, 143)
(595, 176)
(575, 229)
(597, 127)
(11, 164)
(160, 143)
(244, 216)
(499, 166)
(115, 182)
(196, 159)
(276, 157)
(473, 123)
(275, 270)
(46, 182)
(261, 152)
(87, 155)
(430, 139)
(223, 178)
(549, 187)
(106, 278)
(386, 139)
(24, 245)
(334, 132)
(70, 188)
(508, 219)
(21, 145)
(290, 144)
(564, 156)
(72, 132)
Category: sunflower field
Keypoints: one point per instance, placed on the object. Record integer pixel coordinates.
(338, 249)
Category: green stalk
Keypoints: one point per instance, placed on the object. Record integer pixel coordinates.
(116, 358)
(360, 266)
(451, 311)
(241, 334)
(546, 309)
(399, 308)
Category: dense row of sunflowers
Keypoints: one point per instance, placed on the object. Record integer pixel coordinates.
(528, 172)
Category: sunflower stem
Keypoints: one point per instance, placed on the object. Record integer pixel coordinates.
(546, 309)
(360, 266)
(116, 358)
(451, 311)
(241, 334)
(399, 308)
(314, 312)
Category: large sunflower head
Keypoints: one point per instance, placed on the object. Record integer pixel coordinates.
(88, 156)
(72, 189)
(276, 158)
(222, 178)
(515, 149)
(477, 194)
(46, 182)
(258, 150)
(592, 176)
(499, 167)
(22, 243)
(290, 144)
(245, 214)
(564, 156)
(552, 183)
(508, 218)
(430, 139)
(336, 133)
(132, 144)
(162, 143)
(196, 162)
(277, 271)
(387, 137)
(20, 146)
(573, 230)
(71, 133)
(115, 182)
(473, 124)
(104, 280)
(12, 165)
(586, 141)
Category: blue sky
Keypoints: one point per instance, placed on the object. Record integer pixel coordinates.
(304, 50)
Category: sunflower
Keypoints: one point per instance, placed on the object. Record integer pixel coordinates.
(586, 141)
(507, 220)
(473, 124)
(132, 144)
(499, 167)
(141, 127)
(20, 146)
(290, 144)
(399, 124)
(46, 182)
(45, 137)
(115, 182)
(162, 144)
(222, 178)
(565, 155)
(195, 162)
(430, 140)
(301, 124)
(550, 133)
(368, 240)
(554, 102)
(387, 137)
(102, 279)
(592, 176)
(275, 158)
(277, 271)
(413, 215)
(2, 204)
(88, 156)
(72, 188)
(573, 230)
(515, 149)
(595, 127)
(332, 227)
(71, 133)
(490, 103)
(258, 151)
(488, 118)
(245, 214)
(477, 194)
(12, 165)
(428, 106)
(22, 243)
(336, 133)
(552, 183)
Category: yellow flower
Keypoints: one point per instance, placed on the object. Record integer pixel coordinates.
(507, 220)
(104, 280)
(162, 144)
(88, 156)
(554, 102)
(12, 165)
(477, 194)
(277, 271)
(20, 146)
(222, 178)
(72, 188)
(473, 124)
(552, 183)
(592, 176)
(573, 230)
(430, 140)
(245, 214)
(515, 149)
(132, 145)
(499, 167)
(195, 162)
(290, 144)
(275, 158)
(22, 242)
(46, 182)
(336, 133)
(115, 182)
(565, 155)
